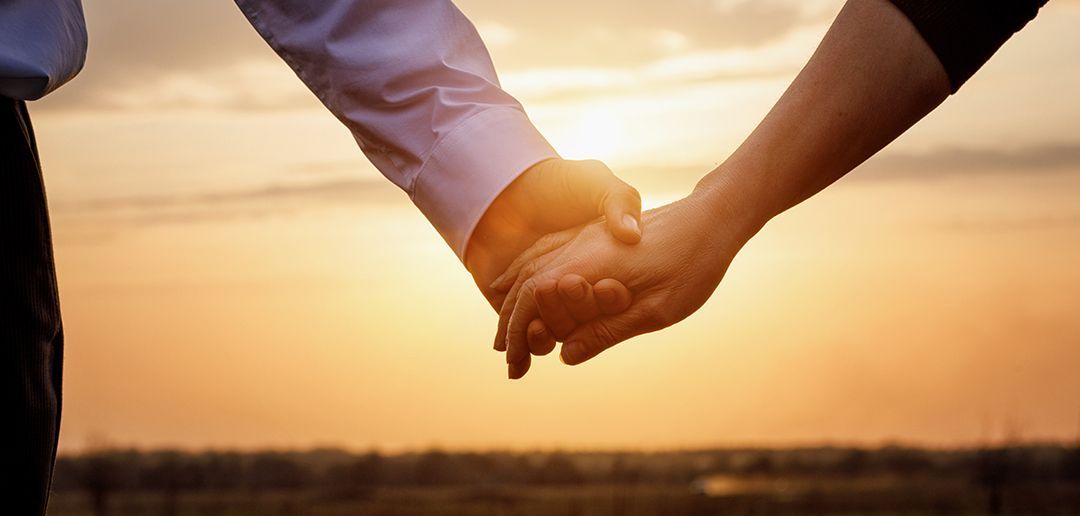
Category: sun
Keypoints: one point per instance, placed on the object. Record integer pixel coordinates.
(595, 133)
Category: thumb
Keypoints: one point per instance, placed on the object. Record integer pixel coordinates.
(622, 210)
(619, 202)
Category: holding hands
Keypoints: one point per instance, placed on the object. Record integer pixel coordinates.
(681, 258)
(872, 78)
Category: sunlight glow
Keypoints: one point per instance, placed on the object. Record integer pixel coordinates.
(598, 133)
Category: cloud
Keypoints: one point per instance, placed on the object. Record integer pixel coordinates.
(780, 59)
(195, 53)
(1039, 158)
(256, 201)
(161, 54)
(589, 33)
(893, 165)
(330, 190)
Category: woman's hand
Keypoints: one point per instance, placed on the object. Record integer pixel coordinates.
(685, 250)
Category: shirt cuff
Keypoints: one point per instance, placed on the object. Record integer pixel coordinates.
(471, 166)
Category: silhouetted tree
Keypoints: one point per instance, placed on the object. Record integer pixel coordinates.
(905, 461)
(276, 471)
(434, 468)
(224, 471)
(622, 472)
(853, 463)
(1070, 464)
(356, 478)
(100, 475)
(760, 464)
(992, 471)
(171, 474)
(557, 469)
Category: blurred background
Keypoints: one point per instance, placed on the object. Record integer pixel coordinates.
(236, 278)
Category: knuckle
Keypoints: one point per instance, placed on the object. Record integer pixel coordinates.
(603, 337)
(528, 287)
(595, 169)
(562, 330)
(656, 316)
(548, 241)
(529, 269)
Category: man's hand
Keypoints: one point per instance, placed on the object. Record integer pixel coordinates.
(671, 273)
(551, 197)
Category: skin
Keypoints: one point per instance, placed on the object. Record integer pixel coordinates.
(522, 214)
(871, 78)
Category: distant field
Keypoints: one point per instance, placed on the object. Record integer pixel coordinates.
(813, 497)
(1016, 480)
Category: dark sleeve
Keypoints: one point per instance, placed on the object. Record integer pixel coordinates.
(965, 33)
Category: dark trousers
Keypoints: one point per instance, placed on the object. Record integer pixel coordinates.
(31, 337)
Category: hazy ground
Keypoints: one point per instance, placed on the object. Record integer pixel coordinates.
(895, 480)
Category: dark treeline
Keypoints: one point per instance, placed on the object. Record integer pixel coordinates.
(1016, 479)
(345, 472)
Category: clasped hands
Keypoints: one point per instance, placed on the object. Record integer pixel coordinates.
(555, 272)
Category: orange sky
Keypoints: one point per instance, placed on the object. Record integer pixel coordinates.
(234, 273)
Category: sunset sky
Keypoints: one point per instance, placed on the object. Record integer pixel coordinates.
(234, 273)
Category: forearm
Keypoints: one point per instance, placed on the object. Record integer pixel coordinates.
(872, 77)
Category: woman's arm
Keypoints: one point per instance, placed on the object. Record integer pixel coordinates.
(880, 69)
(872, 77)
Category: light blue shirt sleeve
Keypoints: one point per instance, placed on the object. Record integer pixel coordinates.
(42, 46)
(414, 83)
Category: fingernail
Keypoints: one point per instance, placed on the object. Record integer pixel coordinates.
(572, 353)
(632, 223)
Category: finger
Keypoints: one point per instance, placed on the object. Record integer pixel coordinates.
(593, 338)
(612, 297)
(518, 369)
(545, 245)
(524, 273)
(540, 340)
(619, 202)
(517, 344)
(556, 317)
(577, 294)
(504, 317)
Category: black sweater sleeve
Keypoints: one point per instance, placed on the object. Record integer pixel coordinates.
(965, 33)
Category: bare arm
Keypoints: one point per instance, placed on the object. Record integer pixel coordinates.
(872, 77)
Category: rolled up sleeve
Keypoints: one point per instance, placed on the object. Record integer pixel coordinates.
(413, 82)
(964, 34)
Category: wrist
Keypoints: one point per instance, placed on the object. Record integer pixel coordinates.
(736, 199)
(501, 230)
